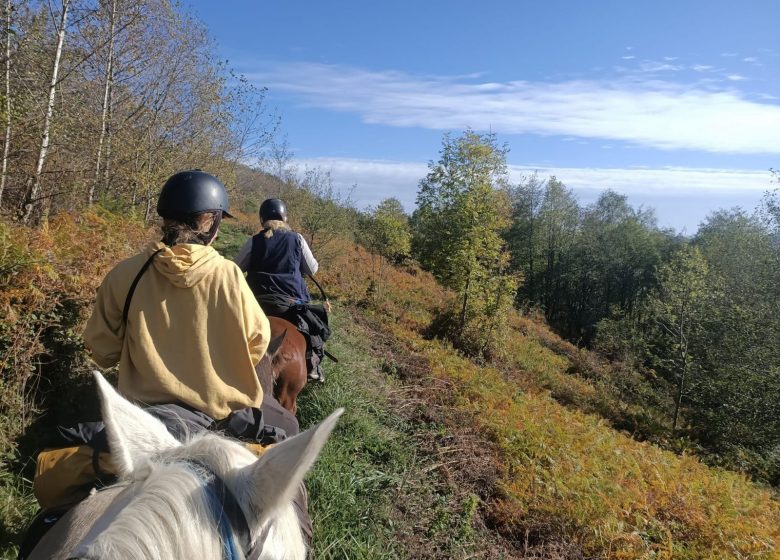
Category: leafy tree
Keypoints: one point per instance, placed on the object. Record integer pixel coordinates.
(737, 408)
(710, 327)
(679, 309)
(612, 265)
(582, 265)
(523, 236)
(386, 233)
(462, 210)
(323, 212)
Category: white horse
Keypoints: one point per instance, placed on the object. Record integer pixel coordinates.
(208, 498)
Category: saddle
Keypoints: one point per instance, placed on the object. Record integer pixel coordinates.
(310, 319)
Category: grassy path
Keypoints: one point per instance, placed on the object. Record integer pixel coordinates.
(381, 488)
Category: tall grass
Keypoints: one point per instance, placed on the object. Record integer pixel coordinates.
(48, 280)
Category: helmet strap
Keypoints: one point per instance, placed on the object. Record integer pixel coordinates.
(208, 237)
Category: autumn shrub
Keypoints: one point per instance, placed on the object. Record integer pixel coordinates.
(48, 278)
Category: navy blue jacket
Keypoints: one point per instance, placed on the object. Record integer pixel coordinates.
(275, 265)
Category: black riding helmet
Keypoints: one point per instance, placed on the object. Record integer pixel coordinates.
(192, 192)
(273, 209)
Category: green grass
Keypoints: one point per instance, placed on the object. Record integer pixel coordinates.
(374, 493)
(232, 236)
(17, 506)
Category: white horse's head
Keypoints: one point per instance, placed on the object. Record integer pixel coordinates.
(207, 499)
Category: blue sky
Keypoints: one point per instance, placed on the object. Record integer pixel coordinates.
(675, 104)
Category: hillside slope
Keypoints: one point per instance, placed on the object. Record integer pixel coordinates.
(437, 456)
(567, 477)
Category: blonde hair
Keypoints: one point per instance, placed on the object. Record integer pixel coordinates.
(272, 225)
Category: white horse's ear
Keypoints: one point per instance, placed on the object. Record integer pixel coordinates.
(133, 435)
(274, 478)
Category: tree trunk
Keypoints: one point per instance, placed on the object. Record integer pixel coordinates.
(34, 183)
(465, 304)
(684, 357)
(109, 135)
(106, 100)
(7, 143)
(678, 400)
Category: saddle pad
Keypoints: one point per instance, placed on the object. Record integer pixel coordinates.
(66, 474)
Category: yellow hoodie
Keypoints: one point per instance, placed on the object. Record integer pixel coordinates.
(194, 330)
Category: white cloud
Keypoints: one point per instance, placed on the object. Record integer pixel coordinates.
(652, 66)
(750, 59)
(671, 58)
(736, 77)
(629, 57)
(702, 67)
(640, 110)
(376, 180)
(663, 180)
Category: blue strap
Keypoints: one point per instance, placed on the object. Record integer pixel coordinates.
(228, 515)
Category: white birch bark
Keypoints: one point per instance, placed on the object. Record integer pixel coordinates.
(7, 144)
(35, 180)
(106, 101)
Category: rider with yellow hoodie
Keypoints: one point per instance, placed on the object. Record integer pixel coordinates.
(178, 318)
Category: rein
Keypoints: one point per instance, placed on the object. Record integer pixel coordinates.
(231, 521)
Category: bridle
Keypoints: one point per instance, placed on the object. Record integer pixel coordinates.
(231, 521)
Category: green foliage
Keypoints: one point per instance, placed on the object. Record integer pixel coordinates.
(373, 493)
(710, 328)
(386, 232)
(581, 265)
(323, 213)
(462, 211)
(675, 313)
(232, 236)
(737, 407)
(17, 506)
(545, 219)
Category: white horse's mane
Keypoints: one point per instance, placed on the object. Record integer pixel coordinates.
(166, 511)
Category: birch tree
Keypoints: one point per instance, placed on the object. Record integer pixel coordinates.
(35, 181)
(7, 143)
(104, 120)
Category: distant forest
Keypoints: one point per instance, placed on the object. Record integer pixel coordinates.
(697, 318)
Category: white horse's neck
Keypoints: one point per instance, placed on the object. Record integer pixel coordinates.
(171, 516)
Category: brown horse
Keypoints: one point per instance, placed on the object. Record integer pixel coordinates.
(288, 363)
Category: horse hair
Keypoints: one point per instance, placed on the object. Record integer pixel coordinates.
(170, 516)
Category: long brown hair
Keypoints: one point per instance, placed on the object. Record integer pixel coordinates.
(194, 230)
